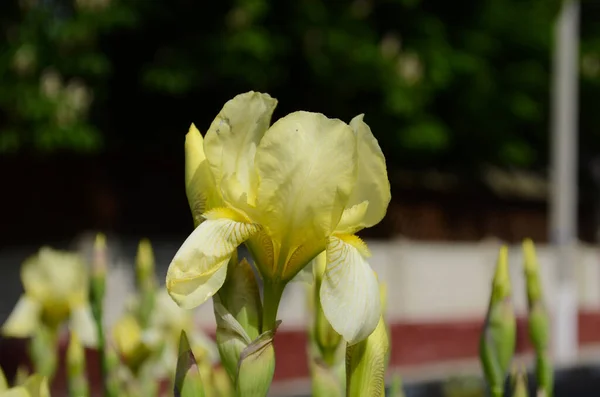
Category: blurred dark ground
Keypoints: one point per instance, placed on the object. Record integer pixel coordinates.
(97, 96)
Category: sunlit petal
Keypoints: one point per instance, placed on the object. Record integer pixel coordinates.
(307, 169)
(231, 141)
(349, 290)
(201, 190)
(198, 269)
(24, 319)
(372, 184)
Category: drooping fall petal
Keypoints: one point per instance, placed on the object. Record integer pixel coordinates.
(24, 319)
(199, 269)
(349, 290)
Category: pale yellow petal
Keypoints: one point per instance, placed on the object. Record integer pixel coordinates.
(55, 275)
(349, 290)
(231, 141)
(198, 269)
(307, 169)
(82, 322)
(24, 319)
(201, 190)
(352, 218)
(372, 184)
(15, 392)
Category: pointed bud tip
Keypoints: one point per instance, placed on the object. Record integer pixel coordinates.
(99, 263)
(530, 257)
(75, 351)
(100, 242)
(502, 273)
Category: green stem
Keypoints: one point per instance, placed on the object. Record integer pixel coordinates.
(272, 293)
(97, 297)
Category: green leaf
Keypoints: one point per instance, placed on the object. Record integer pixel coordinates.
(188, 382)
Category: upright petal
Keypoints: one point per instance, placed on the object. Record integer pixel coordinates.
(198, 269)
(307, 169)
(200, 187)
(349, 290)
(372, 185)
(231, 141)
(24, 319)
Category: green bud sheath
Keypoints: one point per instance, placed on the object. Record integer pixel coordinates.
(365, 364)
(539, 323)
(497, 344)
(241, 297)
(188, 382)
(397, 389)
(257, 366)
(325, 382)
(238, 313)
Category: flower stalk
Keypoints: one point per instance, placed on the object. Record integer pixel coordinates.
(497, 343)
(97, 289)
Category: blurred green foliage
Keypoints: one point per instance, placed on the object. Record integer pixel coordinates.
(442, 84)
(51, 70)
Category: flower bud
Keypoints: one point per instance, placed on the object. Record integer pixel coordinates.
(76, 376)
(497, 344)
(144, 265)
(257, 366)
(365, 364)
(238, 312)
(324, 379)
(539, 323)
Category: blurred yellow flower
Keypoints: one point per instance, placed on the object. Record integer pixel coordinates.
(290, 191)
(34, 386)
(160, 339)
(56, 290)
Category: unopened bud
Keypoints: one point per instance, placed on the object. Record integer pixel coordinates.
(145, 265)
(78, 385)
(3, 381)
(100, 259)
(238, 312)
(365, 364)
(257, 366)
(497, 343)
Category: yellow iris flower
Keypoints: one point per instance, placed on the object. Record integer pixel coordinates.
(34, 386)
(136, 344)
(290, 191)
(56, 290)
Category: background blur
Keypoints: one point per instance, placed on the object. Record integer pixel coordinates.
(96, 97)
